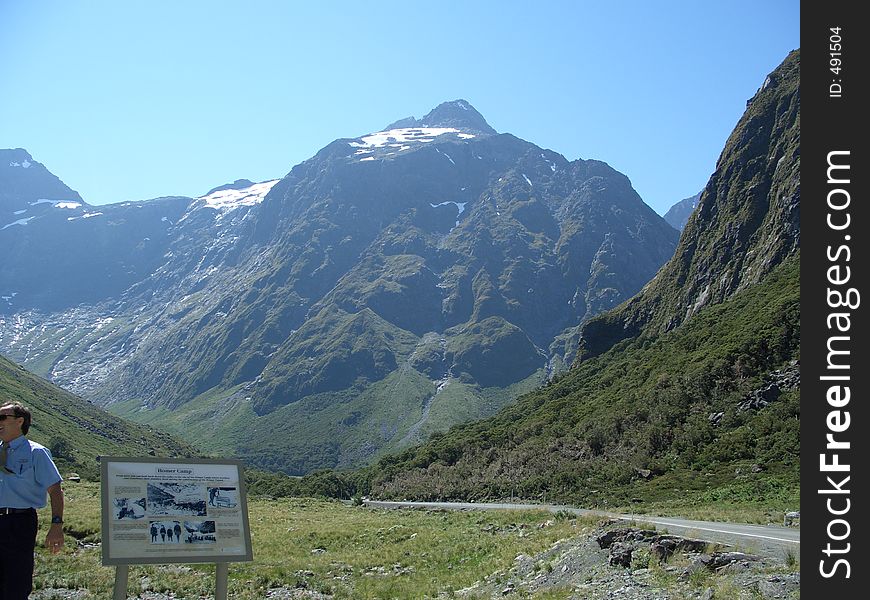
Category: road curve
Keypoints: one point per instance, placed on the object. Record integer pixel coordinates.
(769, 540)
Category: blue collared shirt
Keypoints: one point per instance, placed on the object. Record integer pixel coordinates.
(33, 472)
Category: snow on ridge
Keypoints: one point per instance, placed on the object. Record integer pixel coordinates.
(23, 221)
(406, 134)
(24, 165)
(86, 215)
(527, 180)
(226, 200)
(57, 203)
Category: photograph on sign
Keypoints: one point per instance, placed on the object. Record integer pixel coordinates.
(129, 508)
(173, 510)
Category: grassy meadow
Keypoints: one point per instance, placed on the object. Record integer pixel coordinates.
(323, 546)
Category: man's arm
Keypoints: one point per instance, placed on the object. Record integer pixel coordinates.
(54, 539)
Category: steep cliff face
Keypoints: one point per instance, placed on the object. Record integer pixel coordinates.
(746, 222)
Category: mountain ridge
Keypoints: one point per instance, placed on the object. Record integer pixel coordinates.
(367, 286)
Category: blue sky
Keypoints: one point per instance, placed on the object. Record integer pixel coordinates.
(128, 100)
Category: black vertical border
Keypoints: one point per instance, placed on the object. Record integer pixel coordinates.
(828, 124)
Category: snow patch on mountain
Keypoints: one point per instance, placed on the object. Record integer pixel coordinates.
(23, 221)
(552, 164)
(404, 135)
(445, 155)
(226, 200)
(86, 215)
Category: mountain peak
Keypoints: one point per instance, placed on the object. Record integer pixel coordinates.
(459, 114)
(25, 182)
(19, 155)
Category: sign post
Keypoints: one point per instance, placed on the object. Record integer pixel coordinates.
(122, 574)
(157, 510)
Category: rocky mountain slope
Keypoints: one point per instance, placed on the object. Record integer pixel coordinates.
(689, 392)
(390, 286)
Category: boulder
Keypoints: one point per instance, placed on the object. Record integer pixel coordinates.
(665, 546)
(620, 554)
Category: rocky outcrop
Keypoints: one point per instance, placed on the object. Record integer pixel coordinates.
(776, 382)
(622, 543)
(579, 564)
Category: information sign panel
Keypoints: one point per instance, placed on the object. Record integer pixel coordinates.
(158, 510)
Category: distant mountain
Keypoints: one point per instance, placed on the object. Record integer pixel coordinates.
(688, 393)
(390, 286)
(27, 188)
(678, 215)
(77, 432)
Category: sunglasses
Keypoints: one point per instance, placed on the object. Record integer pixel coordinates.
(4, 417)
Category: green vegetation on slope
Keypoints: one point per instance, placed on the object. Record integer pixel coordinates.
(77, 432)
(637, 422)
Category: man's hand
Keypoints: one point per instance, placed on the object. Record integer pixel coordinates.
(54, 539)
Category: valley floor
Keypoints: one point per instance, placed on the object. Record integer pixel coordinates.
(318, 549)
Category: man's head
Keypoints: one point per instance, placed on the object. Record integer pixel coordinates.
(14, 421)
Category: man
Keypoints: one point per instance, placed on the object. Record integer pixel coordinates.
(27, 473)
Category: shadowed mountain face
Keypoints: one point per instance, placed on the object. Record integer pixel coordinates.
(390, 286)
(688, 393)
(678, 215)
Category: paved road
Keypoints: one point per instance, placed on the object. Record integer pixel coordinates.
(772, 541)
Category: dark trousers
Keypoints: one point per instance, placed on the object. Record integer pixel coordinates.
(17, 542)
